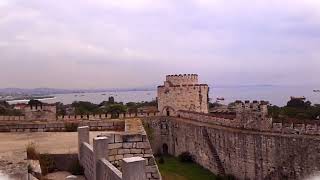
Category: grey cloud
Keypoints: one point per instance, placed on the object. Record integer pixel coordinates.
(92, 41)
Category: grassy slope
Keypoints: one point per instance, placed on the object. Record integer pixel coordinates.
(172, 169)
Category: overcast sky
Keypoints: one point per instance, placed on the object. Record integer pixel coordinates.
(135, 43)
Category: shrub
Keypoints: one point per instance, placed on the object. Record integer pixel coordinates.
(46, 163)
(32, 152)
(71, 127)
(185, 157)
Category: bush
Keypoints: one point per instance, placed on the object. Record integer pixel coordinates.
(185, 157)
(46, 163)
(161, 160)
(32, 152)
(71, 127)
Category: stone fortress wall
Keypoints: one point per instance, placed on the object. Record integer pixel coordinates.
(90, 117)
(118, 148)
(43, 112)
(245, 143)
(243, 153)
(182, 92)
(61, 126)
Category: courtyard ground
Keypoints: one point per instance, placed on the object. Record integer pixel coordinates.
(13, 148)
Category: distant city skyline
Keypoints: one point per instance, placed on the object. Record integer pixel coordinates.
(80, 44)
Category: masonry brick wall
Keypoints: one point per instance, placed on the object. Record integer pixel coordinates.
(132, 145)
(60, 126)
(246, 154)
(182, 92)
(87, 160)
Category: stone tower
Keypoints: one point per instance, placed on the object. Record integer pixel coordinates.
(182, 92)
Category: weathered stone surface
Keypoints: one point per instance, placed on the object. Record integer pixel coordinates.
(115, 146)
(123, 151)
(135, 151)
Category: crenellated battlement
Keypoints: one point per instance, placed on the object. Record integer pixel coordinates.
(261, 106)
(182, 92)
(182, 79)
(96, 117)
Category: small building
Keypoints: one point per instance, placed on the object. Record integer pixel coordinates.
(38, 111)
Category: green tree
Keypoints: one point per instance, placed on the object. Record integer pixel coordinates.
(116, 109)
(84, 107)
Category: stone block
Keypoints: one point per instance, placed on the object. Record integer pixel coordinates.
(127, 145)
(113, 152)
(112, 158)
(123, 151)
(132, 138)
(118, 157)
(143, 145)
(128, 155)
(148, 151)
(151, 169)
(147, 155)
(151, 161)
(155, 175)
(135, 151)
(118, 138)
(115, 146)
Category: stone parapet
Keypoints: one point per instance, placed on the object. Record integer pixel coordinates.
(102, 161)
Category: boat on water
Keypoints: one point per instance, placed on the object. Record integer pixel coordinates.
(316, 90)
(300, 98)
(103, 94)
(220, 99)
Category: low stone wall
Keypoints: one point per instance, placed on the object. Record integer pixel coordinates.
(12, 118)
(91, 117)
(295, 128)
(94, 159)
(108, 171)
(210, 119)
(102, 125)
(310, 127)
(133, 145)
(87, 160)
(133, 142)
(105, 116)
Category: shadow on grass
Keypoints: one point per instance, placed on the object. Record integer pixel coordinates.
(173, 169)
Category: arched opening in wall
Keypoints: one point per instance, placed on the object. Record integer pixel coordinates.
(168, 111)
(165, 149)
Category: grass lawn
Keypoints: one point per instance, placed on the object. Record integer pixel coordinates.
(173, 169)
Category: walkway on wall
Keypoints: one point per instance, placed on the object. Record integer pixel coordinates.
(247, 131)
(214, 152)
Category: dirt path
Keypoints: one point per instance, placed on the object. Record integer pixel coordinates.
(13, 146)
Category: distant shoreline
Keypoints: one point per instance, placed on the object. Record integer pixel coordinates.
(26, 99)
